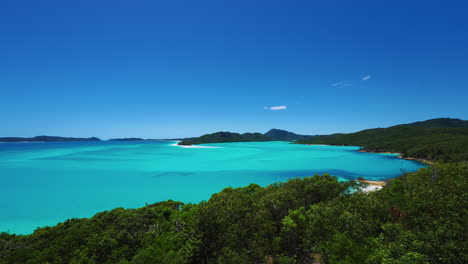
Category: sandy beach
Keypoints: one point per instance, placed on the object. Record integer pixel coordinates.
(371, 188)
(191, 146)
(373, 185)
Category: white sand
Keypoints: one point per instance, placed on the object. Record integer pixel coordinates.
(191, 146)
(371, 188)
(175, 144)
(195, 146)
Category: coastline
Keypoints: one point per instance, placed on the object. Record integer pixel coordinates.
(400, 155)
(371, 188)
(372, 185)
(190, 146)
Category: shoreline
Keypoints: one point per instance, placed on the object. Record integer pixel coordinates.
(372, 185)
(400, 155)
(190, 146)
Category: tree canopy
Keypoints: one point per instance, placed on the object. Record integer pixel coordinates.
(442, 139)
(419, 217)
(223, 137)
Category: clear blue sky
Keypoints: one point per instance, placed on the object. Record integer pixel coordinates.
(161, 69)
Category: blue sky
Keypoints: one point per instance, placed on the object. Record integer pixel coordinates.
(161, 69)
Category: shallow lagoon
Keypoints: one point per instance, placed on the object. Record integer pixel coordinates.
(46, 183)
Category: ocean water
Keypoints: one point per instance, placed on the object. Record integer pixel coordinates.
(46, 183)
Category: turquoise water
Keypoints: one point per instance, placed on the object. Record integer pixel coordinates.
(46, 183)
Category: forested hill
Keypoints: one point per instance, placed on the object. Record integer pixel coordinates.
(441, 123)
(222, 137)
(443, 139)
(418, 218)
(283, 135)
(46, 139)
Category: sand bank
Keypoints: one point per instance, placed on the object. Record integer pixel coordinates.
(191, 146)
(371, 188)
(373, 185)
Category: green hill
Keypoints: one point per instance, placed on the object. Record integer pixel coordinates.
(283, 135)
(223, 137)
(441, 123)
(442, 139)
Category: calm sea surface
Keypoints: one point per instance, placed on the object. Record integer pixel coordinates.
(46, 183)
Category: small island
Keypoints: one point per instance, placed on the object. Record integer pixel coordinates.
(283, 135)
(45, 139)
(224, 137)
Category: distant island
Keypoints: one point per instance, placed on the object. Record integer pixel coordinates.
(224, 137)
(440, 139)
(46, 139)
(127, 139)
(68, 139)
(283, 135)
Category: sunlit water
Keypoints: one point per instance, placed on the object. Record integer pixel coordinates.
(46, 183)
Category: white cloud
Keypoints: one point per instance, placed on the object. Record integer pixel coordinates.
(279, 107)
(342, 84)
(367, 77)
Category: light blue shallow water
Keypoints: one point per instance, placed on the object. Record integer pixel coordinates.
(46, 183)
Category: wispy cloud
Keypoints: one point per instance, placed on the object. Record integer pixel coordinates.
(275, 108)
(342, 84)
(367, 77)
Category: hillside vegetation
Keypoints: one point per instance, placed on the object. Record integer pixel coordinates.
(418, 218)
(283, 135)
(223, 137)
(442, 139)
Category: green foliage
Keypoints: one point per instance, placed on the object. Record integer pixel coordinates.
(223, 137)
(442, 139)
(418, 218)
(283, 135)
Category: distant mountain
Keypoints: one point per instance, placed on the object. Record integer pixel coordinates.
(441, 123)
(126, 139)
(435, 139)
(223, 137)
(46, 139)
(283, 135)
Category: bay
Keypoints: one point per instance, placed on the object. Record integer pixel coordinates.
(46, 183)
